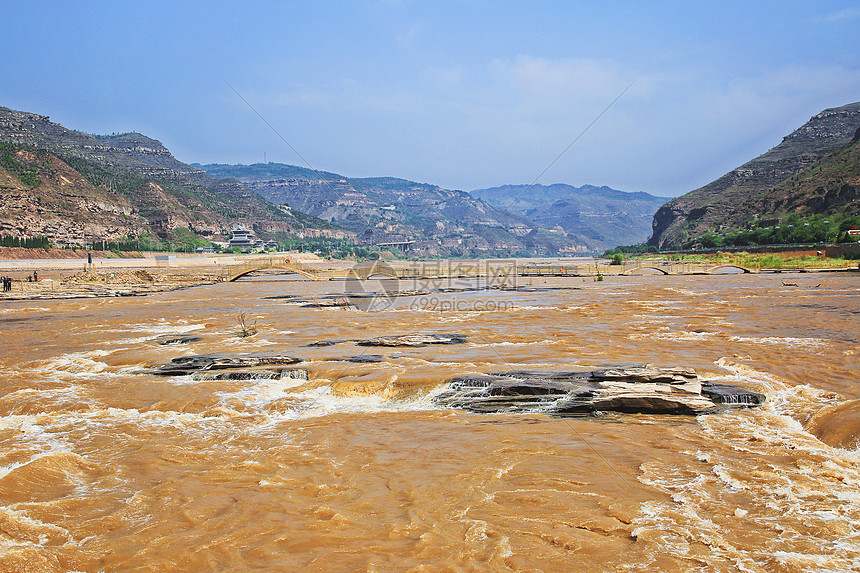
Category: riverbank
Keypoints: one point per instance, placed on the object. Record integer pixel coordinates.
(24, 253)
(158, 272)
(94, 284)
(136, 275)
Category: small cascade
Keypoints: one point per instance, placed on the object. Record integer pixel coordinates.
(294, 374)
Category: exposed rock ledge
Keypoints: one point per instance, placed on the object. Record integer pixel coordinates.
(638, 389)
(186, 365)
(411, 340)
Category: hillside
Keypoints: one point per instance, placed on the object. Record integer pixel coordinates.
(385, 209)
(599, 217)
(42, 196)
(770, 186)
(831, 185)
(132, 175)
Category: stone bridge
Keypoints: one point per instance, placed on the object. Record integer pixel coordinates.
(360, 271)
(495, 270)
(685, 268)
(235, 272)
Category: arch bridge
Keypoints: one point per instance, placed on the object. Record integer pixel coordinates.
(382, 270)
(686, 268)
(745, 270)
(645, 268)
(361, 271)
(235, 272)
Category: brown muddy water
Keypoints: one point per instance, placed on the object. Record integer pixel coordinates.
(104, 467)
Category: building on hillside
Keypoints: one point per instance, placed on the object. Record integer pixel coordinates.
(241, 239)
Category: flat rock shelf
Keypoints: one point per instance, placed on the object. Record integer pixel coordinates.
(634, 390)
(187, 365)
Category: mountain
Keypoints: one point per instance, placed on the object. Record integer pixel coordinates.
(385, 210)
(804, 173)
(831, 185)
(599, 217)
(76, 175)
(41, 195)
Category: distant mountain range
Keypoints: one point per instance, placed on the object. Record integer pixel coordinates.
(383, 210)
(814, 170)
(547, 220)
(75, 187)
(598, 217)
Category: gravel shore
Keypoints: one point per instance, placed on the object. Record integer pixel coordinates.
(91, 284)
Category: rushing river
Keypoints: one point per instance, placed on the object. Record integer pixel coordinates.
(106, 467)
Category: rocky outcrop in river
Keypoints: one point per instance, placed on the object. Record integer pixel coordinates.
(400, 340)
(187, 365)
(638, 389)
(633, 389)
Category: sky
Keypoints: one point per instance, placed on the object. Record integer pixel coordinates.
(661, 97)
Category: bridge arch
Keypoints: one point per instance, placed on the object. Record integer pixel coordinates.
(376, 269)
(728, 266)
(646, 267)
(237, 274)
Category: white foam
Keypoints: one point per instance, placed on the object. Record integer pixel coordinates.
(682, 336)
(320, 401)
(791, 342)
(526, 343)
(74, 365)
(19, 516)
(34, 431)
(778, 473)
(23, 309)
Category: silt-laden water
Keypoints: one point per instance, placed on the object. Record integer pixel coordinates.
(104, 467)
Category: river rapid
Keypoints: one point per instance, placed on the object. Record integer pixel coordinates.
(107, 467)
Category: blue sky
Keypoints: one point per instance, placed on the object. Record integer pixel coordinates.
(463, 94)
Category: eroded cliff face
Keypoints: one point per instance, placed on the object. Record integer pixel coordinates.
(161, 191)
(64, 206)
(728, 200)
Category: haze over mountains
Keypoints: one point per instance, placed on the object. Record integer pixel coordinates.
(382, 210)
(125, 186)
(594, 216)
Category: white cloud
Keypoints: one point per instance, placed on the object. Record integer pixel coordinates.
(841, 16)
(469, 127)
(446, 78)
(546, 80)
(409, 38)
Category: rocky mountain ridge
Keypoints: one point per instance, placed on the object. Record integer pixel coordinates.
(138, 176)
(64, 206)
(767, 187)
(383, 210)
(449, 222)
